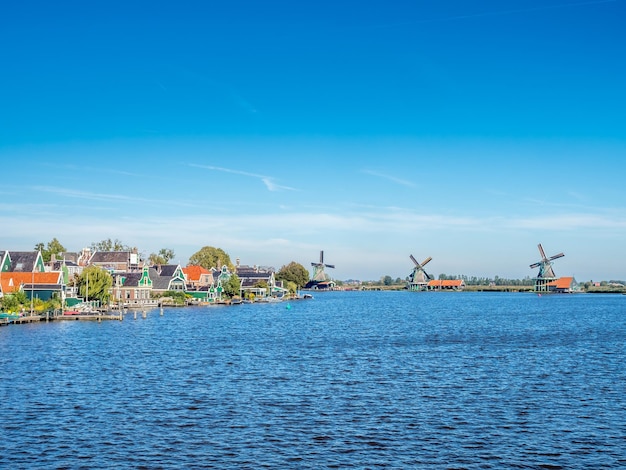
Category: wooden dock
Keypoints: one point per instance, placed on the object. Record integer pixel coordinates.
(89, 317)
(26, 319)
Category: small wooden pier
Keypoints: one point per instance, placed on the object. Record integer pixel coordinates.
(26, 319)
(91, 316)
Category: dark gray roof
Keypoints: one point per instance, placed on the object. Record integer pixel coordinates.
(166, 269)
(131, 279)
(23, 261)
(110, 257)
(159, 282)
(253, 275)
(249, 282)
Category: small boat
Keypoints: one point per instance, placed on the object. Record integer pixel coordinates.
(9, 316)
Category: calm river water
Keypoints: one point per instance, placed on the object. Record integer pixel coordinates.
(346, 380)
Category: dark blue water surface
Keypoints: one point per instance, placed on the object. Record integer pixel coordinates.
(346, 380)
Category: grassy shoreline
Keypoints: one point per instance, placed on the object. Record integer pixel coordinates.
(528, 289)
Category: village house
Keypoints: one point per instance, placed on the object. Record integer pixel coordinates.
(259, 281)
(113, 261)
(197, 277)
(24, 271)
(446, 284)
(140, 288)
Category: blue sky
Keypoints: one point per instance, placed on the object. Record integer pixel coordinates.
(466, 131)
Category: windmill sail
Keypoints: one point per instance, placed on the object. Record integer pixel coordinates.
(545, 264)
(419, 277)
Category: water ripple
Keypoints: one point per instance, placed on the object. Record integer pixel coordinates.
(348, 380)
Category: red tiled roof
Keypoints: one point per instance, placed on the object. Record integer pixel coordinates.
(445, 283)
(562, 283)
(12, 281)
(193, 273)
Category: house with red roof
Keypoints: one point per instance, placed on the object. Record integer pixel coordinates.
(446, 284)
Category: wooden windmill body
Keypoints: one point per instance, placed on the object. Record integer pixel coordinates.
(418, 279)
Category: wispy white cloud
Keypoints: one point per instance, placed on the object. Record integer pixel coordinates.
(282, 236)
(390, 178)
(268, 181)
(568, 222)
(104, 197)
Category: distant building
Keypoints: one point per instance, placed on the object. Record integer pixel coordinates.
(446, 284)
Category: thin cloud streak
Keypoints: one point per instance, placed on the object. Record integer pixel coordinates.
(390, 178)
(72, 193)
(266, 180)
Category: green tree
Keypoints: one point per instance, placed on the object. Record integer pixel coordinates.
(179, 298)
(209, 257)
(162, 257)
(13, 302)
(292, 286)
(232, 286)
(95, 284)
(387, 280)
(109, 245)
(54, 248)
(293, 272)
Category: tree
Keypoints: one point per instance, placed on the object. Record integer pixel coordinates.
(54, 248)
(293, 272)
(387, 280)
(13, 302)
(232, 286)
(162, 257)
(209, 257)
(94, 284)
(292, 286)
(108, 245)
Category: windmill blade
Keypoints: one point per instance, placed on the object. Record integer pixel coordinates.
(414, 260)
(330, 265)
(560, 255)
(535, 265)
(541, 252)
(426, 261)
(322, 257)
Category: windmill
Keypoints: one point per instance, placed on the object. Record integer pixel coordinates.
(418, 279)
(318, 270)
(545, 265)
(546, 279)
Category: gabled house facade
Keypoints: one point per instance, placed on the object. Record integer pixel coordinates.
(197, 277)
(139, 288)
(22, 261)
(5, 261)
(169, 277)
(115, 261)
(260, 282)
(132, 289)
